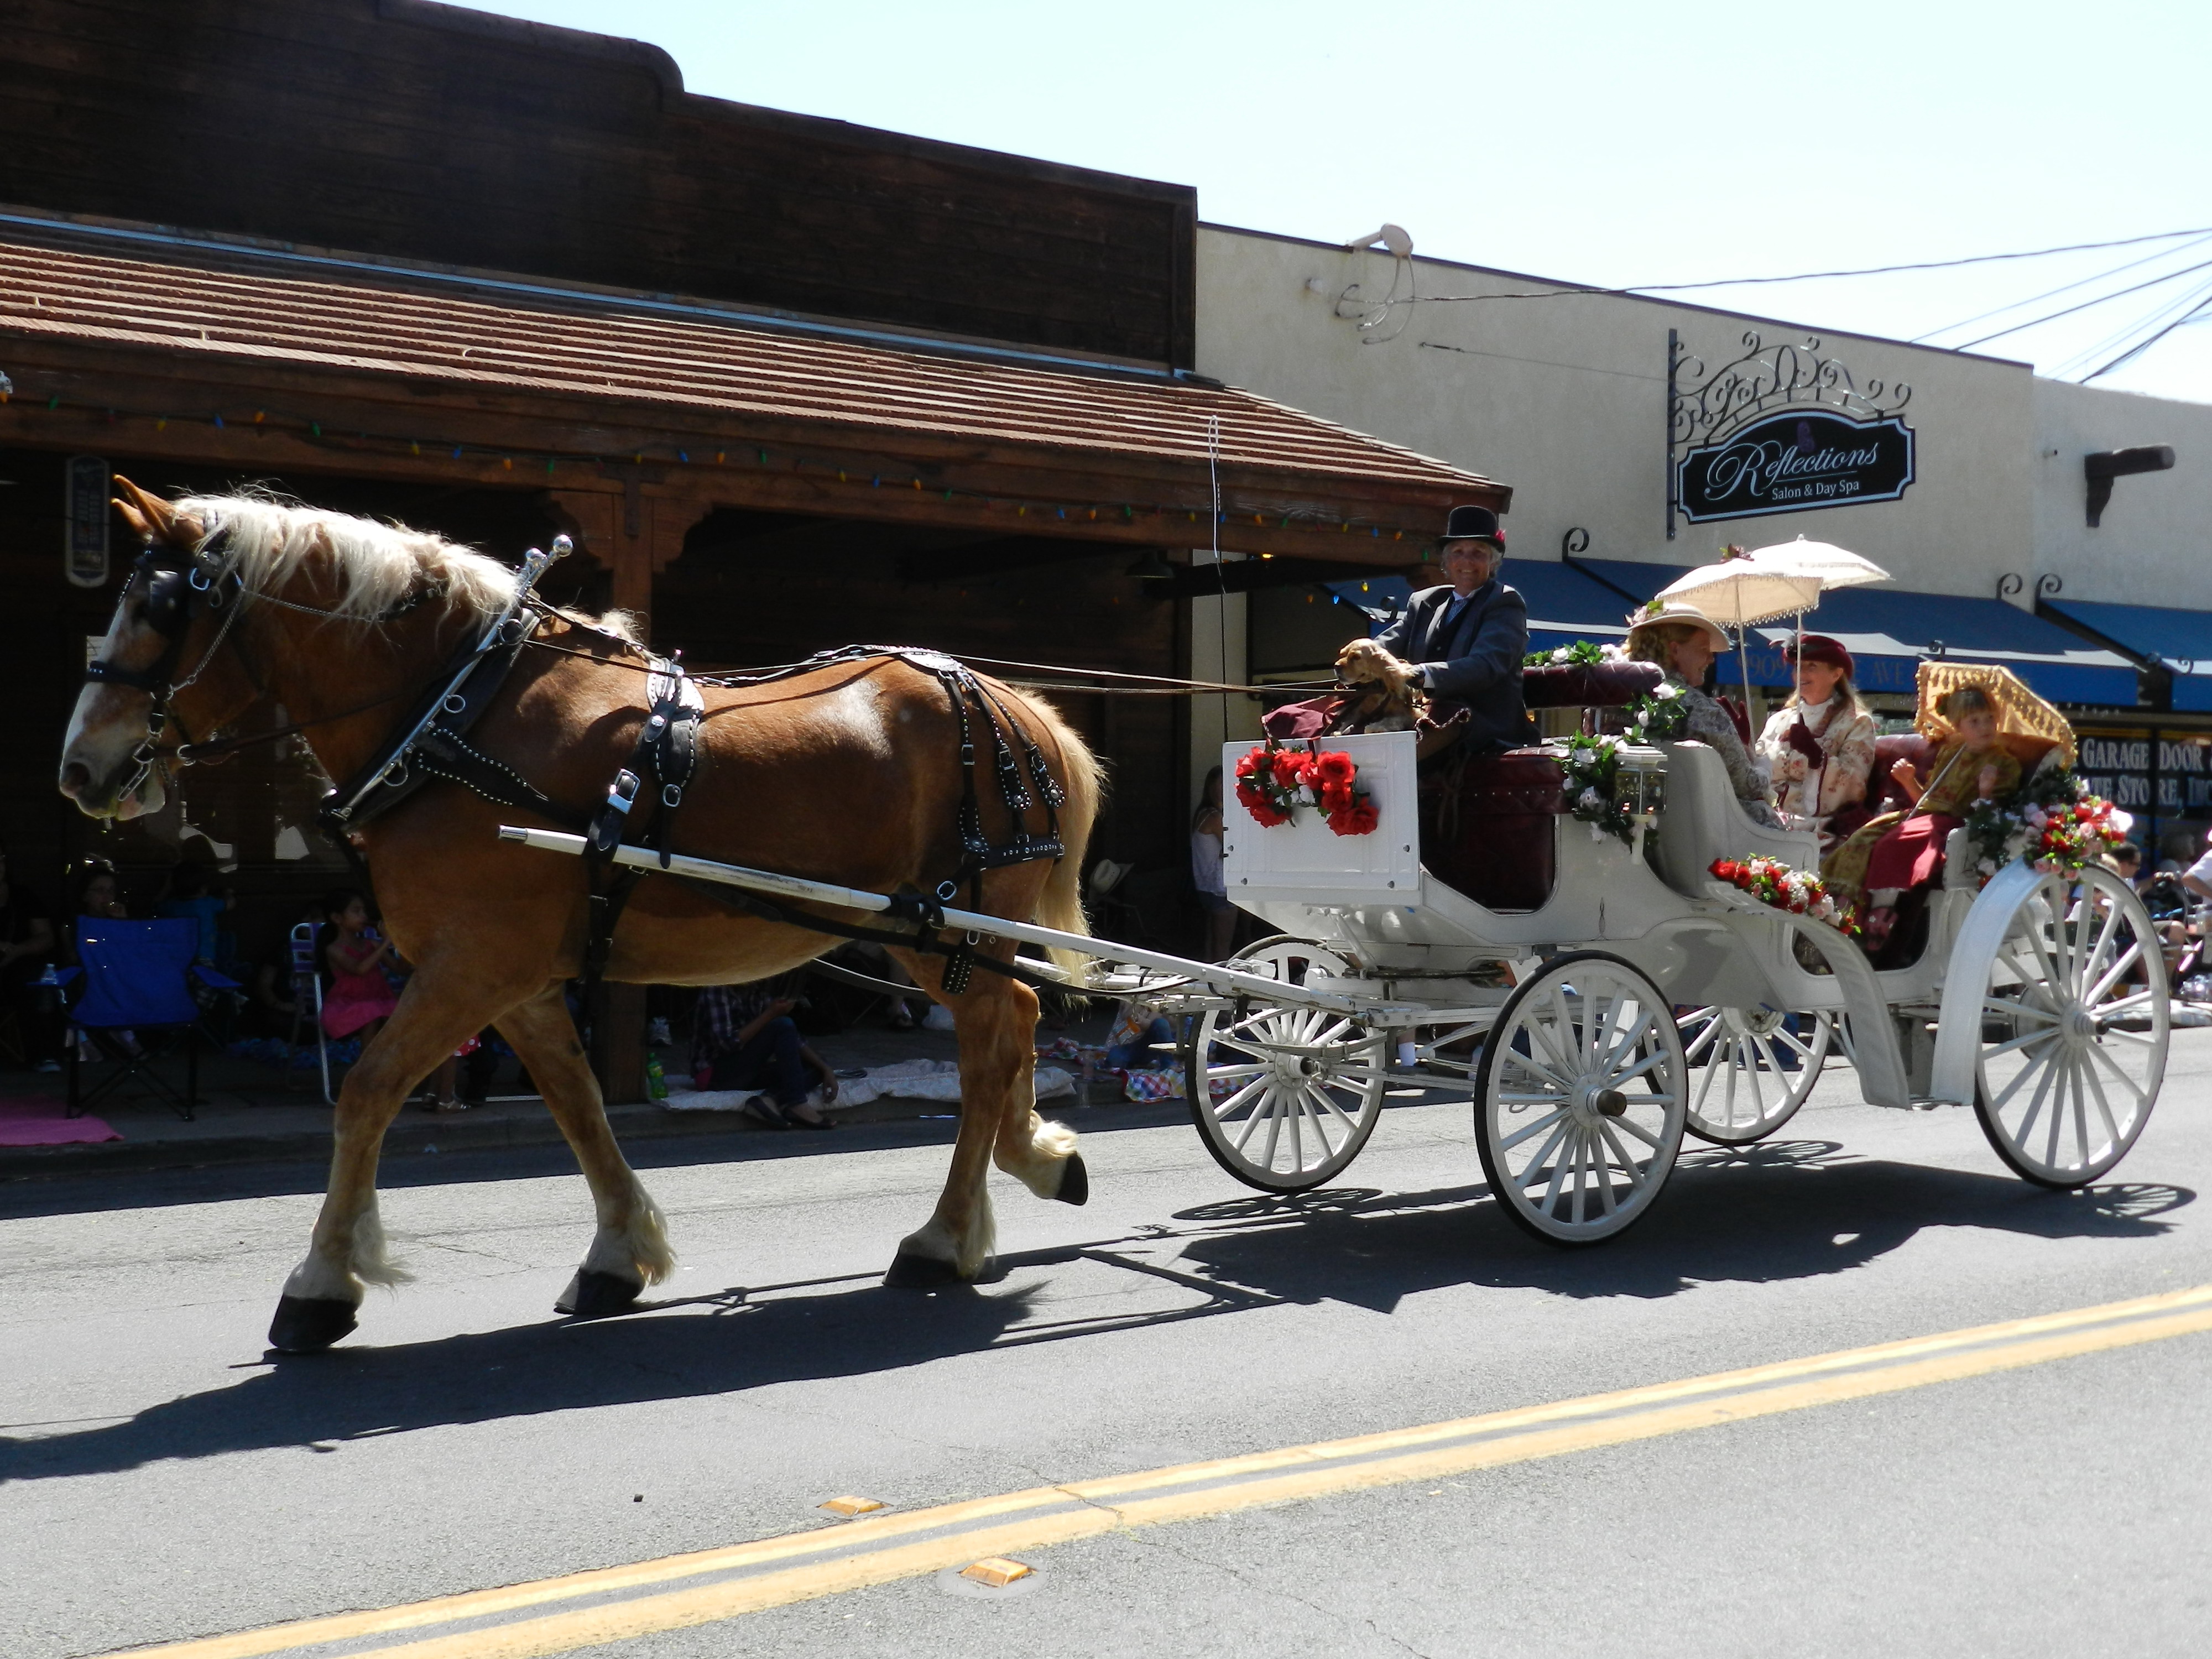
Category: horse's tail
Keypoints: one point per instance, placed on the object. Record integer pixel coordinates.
(1084, 780)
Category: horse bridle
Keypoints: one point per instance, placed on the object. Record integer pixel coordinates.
(173, 597)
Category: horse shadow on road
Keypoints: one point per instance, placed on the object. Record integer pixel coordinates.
(1783, 1211)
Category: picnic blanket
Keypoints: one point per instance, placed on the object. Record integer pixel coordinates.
(909, 1079)
(37, 1123)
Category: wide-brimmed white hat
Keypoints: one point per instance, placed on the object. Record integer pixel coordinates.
(1676, 611)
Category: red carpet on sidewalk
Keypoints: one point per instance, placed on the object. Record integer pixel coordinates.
(31, 1122)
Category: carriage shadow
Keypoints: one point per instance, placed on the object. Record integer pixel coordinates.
(1781, 1210)
(1787, 1209)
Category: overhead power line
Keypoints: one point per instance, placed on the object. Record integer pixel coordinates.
(2137, 349)
(1820, 275)
(2053, 293)
(2084, 304)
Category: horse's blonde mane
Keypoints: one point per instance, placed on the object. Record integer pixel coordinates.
(377, 565)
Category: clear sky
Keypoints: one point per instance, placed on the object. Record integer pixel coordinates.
(1612, 142)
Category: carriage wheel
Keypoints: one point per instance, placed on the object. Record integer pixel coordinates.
(1284, 1098)
(1578, 1108)
(1745, 1092)
(2061, 1094)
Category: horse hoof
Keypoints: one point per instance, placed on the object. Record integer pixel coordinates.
(595, 1295)
(309, 1324)
(1075, 1181)
(920, 1273)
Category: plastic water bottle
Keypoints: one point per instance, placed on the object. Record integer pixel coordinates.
(656, 1080)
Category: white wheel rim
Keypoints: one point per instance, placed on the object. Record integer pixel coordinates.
(1744, 1089)
(2065, 1090)
(1300, 1088)
(1582, 1108)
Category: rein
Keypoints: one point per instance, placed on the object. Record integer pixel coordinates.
(1157, 685)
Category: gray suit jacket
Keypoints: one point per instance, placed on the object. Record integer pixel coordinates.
(1478, 663)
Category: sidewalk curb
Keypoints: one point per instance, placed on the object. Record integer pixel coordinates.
(415, 1132)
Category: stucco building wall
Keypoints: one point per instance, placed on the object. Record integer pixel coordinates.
(1565, 398)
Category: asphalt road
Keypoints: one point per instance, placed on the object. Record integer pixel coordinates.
(164, 1479)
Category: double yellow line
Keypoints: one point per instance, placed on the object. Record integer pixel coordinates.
(678, 1591)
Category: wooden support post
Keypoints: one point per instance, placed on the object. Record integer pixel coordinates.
(634, 534)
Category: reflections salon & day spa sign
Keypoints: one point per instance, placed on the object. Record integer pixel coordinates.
(1795, 462)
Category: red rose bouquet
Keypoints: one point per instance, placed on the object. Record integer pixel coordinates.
(1772, 881)
(1274, 783)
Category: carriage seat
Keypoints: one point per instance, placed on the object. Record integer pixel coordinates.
(1490, 832)
(1702, 821)
(1589, 685)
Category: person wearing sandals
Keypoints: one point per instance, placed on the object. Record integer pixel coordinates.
(743, 1037)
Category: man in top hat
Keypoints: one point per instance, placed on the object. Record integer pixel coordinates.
(1465, 639)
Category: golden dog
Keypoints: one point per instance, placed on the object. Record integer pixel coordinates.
(1380, 695)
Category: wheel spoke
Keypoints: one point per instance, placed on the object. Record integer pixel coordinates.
(1706, 1033)
(1706, 1085)
(2115, 918)
(1559, 1170)
(1796, 1045)
(2113, 976)
(1527, 1131)
(2104, 1108)
(2046, 1071)
(1996, 1049)
(1258, 1084)
(1636, 1176)
(2141, 1095)
(1639, 1130)
(2065, 1067)
(1628, 1043)
(1601, 1174)
(1656, 1057)
(2017, 1011)
(1321, 1092)
(1532, 1066)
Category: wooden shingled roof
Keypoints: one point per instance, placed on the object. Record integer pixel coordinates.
(371, 359)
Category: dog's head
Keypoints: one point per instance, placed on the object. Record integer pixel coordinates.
(1363, 663)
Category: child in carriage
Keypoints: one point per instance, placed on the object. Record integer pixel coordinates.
(1890, 854)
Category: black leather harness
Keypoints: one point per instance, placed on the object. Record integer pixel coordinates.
(432, 743)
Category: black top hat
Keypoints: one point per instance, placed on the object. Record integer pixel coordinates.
(1468, 523)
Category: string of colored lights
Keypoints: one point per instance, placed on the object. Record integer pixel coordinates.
(748, 457)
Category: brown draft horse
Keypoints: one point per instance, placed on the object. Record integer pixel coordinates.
(848, 773)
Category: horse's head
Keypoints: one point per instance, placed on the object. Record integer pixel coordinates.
(163, 664)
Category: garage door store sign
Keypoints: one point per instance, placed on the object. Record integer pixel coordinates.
(1795, 462)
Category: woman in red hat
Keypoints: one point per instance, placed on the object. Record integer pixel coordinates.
(1819, 748)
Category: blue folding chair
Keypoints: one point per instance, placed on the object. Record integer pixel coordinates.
(138, 978)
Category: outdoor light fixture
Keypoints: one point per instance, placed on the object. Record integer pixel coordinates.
(1151, 567)
(2107, 465)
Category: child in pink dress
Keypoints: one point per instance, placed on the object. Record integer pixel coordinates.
(359, 998)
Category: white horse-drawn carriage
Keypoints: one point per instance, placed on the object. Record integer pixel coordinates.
(1632, 998)
(1641, 999)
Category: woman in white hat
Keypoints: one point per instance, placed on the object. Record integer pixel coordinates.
(1683, 641)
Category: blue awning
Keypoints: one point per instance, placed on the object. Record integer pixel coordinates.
(1888, 630)
(2181, 640)
(1564, 604)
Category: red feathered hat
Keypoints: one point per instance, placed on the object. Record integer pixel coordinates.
(1819, 648)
